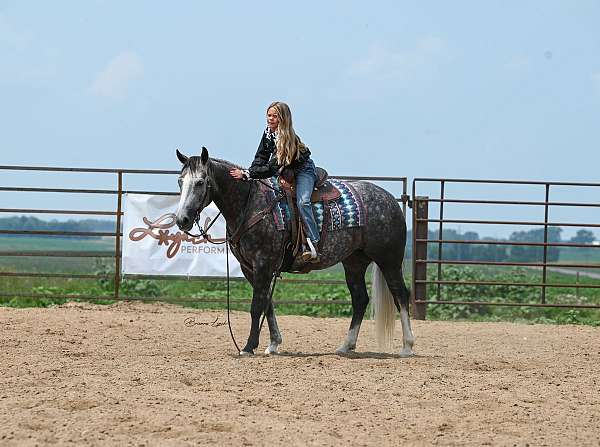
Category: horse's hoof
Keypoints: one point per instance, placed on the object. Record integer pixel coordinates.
(344, 350)
(407, 352)
(272, 349)
(246, 353)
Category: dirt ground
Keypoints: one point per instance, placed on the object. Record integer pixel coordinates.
(136, 374)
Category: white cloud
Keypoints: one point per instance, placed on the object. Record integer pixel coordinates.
(382, 63)
(115, 79)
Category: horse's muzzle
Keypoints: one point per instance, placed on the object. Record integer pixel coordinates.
(184, 223)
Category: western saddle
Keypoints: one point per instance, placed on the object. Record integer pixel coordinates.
(324, 192)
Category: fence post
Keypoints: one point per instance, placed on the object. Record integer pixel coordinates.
(440, 237)
(118, 236)
(545, 255)
(420, 231)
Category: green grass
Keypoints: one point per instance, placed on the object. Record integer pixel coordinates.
(580, 255)
(52, 264)
(48, 291)
(512, 294)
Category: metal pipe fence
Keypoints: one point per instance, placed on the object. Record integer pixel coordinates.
(422, 207)
(120, 177)
(422, 240)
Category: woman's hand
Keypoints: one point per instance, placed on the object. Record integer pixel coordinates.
(237, 173)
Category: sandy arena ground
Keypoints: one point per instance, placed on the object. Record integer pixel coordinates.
(135, 374)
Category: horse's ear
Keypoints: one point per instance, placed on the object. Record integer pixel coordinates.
(182, 158)
(204, 155)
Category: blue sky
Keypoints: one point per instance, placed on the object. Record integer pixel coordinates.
(451, 89)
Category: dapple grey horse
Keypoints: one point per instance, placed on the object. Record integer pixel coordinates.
(381, 240)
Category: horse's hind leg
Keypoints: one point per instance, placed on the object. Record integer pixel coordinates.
(355, 267)
(392, 273)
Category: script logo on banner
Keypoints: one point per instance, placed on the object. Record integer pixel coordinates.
(153, 245)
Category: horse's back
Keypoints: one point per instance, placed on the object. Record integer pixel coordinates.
(380, 206)
(385, 224)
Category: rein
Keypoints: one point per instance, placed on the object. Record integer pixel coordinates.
(206, 236)
(267, 185)
(204, 233)
(236, 236)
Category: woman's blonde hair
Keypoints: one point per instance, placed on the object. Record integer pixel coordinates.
(289, 145)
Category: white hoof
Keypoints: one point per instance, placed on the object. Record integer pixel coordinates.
(272, 349)
(406, 352)
(246, 354)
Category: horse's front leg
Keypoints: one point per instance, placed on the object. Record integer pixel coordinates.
(276, 340)
(260, 295)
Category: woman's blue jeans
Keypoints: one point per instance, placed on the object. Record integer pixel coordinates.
(306, 176)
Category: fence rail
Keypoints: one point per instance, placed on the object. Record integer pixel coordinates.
(422, 240)
(120, 175)
(422, 281)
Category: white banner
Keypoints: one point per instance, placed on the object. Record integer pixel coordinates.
(153, 245)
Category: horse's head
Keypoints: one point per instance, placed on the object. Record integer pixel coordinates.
(194, 184)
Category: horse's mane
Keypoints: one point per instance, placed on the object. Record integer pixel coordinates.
(229, 164)
(195, 162)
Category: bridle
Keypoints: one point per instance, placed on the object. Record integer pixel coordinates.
(203, 232)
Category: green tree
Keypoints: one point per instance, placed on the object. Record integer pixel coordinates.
(532, 253)
(583, 237)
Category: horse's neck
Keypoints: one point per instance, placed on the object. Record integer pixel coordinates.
(230, 195)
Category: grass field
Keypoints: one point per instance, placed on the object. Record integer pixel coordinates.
(580, 255)
(49, 290)
(52, 264)
(40, 243)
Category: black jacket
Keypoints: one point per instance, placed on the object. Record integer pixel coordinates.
(265, 163)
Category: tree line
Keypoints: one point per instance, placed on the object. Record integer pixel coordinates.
(450, 252)
(490, 252)
(33, 223)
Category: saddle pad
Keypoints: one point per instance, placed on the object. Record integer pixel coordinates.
(280, 214)
(344, 212)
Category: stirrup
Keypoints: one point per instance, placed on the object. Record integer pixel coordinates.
(311, 253)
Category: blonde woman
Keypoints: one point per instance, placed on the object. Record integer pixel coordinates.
(281, 148)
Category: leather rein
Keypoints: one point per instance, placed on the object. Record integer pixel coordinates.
(234, 239)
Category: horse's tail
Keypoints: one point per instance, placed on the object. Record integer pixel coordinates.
(383, 310)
